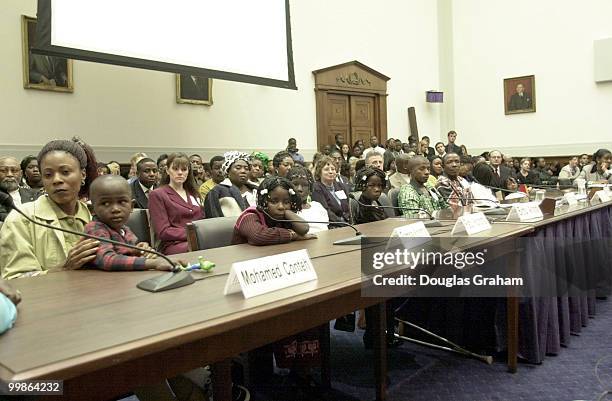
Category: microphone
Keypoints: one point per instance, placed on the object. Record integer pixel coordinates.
(356, 240)
(433, 222)
(176, 279)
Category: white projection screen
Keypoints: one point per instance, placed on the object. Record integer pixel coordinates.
(237, 40)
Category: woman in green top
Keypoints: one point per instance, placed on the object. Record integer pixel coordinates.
(26, 249)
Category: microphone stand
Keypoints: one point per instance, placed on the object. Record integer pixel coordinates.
(432, 222)
(147, 285)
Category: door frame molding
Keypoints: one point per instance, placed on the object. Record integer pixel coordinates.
(352, 79)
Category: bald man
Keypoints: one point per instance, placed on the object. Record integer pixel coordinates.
(10, 177)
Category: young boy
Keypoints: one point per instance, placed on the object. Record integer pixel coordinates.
(112, 202)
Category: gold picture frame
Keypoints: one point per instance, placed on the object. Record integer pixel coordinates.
(192, 89)
(515, 102)
(43, 72)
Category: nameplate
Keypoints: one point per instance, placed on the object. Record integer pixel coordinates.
(412, 235)
(260, 276)
(471, 224)
(411, 231)
(571, 198)
(525, 212)
(601, 196)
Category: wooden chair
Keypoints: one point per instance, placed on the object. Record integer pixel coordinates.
(210, 233)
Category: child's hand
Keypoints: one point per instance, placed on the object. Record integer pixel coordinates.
(13, 295)
(159, 264)
(148, 255)
(305, 237)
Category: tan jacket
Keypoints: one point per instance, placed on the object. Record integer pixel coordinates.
(28, 249)
(396, 180)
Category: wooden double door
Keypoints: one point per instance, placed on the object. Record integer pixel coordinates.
(352, 101)
(350, 115)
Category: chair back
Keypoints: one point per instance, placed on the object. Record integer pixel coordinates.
(139, 224)
(383, 200)
(211, 233)
(393, 197)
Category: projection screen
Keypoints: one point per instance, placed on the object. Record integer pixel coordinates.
(237, 40)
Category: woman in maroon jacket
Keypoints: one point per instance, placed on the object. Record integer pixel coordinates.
(174, 204)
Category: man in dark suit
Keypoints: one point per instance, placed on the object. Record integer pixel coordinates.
(500, 170)
(521, 100)
(194, 87)
(10, 176)
(451, 147)
(339, 141)
(145, 183)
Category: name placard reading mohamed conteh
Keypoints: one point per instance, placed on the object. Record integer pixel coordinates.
(260, 276)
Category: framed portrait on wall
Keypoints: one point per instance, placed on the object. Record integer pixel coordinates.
(192, 89)
(43, 72)
(519, 95)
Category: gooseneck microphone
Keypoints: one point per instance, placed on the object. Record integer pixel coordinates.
(356, 240)
(7, 201)
(431, 217)
(432, 222)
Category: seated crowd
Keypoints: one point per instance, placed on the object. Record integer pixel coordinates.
(272, 198)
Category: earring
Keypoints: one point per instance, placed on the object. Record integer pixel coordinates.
(83, 183)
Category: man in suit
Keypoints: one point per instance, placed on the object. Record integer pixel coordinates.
(48, 70)
(10, 176)
(194, 87)
(145, 183)
(339, 138)
(500, 170)
(521, 100)
(451, 147)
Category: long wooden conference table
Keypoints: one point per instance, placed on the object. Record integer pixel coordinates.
(104, 337)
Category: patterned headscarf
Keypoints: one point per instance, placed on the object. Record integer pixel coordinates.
(261, 156)
(231, 158)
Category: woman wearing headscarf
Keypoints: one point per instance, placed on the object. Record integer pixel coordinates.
(258, 163)
(234, 194)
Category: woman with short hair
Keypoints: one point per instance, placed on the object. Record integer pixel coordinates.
(330, 193)
(31, 174)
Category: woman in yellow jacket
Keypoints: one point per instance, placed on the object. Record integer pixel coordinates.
(67, 169)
